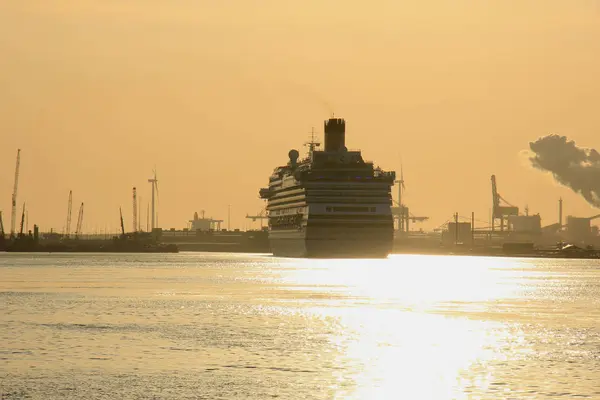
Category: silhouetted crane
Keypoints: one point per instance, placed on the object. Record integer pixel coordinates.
(500, 212)
(69, 208)
(262, 215)
(122, 226)
(135, 213)
(22, 221)
(79, 221)
(13, 212)
(401, 212)
(1, 227)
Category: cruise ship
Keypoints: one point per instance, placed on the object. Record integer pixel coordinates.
(331, 204)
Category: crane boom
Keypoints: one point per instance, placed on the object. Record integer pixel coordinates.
(1, 227)
(255, 217)
(122, 226)
(261, 215)
(79, 221)
(135, 213)
(70, 206)
(495, 196)
(501, 210)
(13, 213)
(22, 221)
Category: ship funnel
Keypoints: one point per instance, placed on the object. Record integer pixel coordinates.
(335, 134)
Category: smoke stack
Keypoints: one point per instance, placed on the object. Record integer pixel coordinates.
(335, 134)
(560, 224)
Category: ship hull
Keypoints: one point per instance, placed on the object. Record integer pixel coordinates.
(311, 244)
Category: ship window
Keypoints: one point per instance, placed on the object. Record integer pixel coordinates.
(350, 209)
(372, 209)
(328, 209)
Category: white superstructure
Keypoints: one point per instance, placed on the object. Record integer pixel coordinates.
(331, 204)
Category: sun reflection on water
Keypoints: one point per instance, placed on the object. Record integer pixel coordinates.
(419, 281)
(393, 336)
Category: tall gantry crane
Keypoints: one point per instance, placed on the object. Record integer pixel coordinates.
(79, 221)
(69, 208)
(262, 215)
(501, 212)
(13, 212)
(135, 212)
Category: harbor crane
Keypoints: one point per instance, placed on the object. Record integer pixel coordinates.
(122, 226)
(13, 211)
(135, 212)
(404, 216)
(1, 227)
(401, 213)
(79, 221)
(262, 215)
(22, 221)
(501, 211)
(69, 208)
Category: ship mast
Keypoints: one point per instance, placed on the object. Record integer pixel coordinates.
(312, 144)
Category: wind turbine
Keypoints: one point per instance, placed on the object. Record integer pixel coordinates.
(154, 182)
(401, 208)
(401, 186)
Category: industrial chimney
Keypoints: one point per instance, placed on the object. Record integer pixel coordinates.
(560, 214)
(335, 134)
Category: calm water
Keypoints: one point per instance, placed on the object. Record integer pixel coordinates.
(216, 326)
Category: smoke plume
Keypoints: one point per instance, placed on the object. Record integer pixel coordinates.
(572, 166)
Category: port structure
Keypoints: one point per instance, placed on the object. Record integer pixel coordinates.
(79, 221)
(122, 225)
(13, 212)
(69, 208)
(22, 221)
(154, 182)
(135, 212)
(579, 229)
(401, 212)
(261, 216)
(1, 227)
(500, 211)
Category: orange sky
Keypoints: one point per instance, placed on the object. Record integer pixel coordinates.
(96, 93)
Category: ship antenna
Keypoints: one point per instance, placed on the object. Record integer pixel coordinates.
(312, 144)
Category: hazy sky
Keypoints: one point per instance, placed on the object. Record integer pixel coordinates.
(215, 93)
